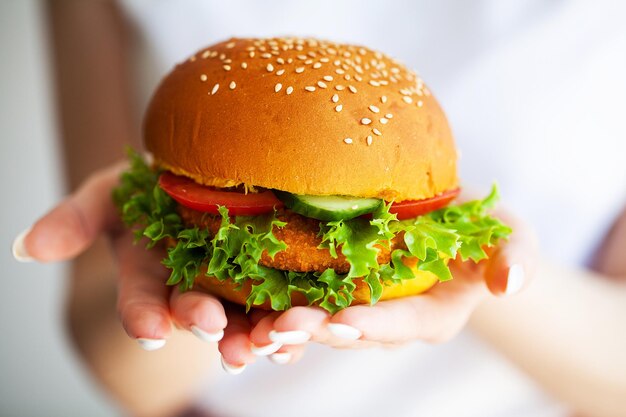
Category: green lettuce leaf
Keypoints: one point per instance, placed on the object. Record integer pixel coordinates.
(235, 250)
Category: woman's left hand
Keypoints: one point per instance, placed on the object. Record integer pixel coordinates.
(433, 317)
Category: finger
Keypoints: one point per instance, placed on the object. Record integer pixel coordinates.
(432, 317)
(511, 267)
(299, 325)
(235, 345)
(142, 294)
(288, 354)
(200, 313)
(262, 345)
(73, 225)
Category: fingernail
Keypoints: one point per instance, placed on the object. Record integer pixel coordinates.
(281, 358)
(291, 337)
(232, 369)
(206, 336)
(151, 344)
(265, 350)
(19, 250)
(344, 331)
(515, 279)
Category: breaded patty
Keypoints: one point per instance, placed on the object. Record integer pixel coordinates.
(301, 236)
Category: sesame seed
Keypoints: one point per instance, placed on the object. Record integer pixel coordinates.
(232, 85)
(335, 98)
(376, 132)
(251, 54)
(266, 55)
(302, 57)
(277, 87)
(308, 62)
(389, 116)
(317, 65)
(338, 108)
(365, 121)
(374, 83)
(339, 71)
(227, 61)
(289, 60)
(230, 45)
(358, 77)
(244, 65)
(352, 89)
(280, 72)
(269, 68)
(222, 57)
(347, 77)
(226, 67)
(420, 103)
(337, 63)
(348, 140)
(205, 54)
(215, 88)
(374, 109)
(324, 60)
(300, 70)
(339, 87)
(383, 120)
(309, 88)
(321, 84)
(289, 90)
(203, 77)
(369, 140)
(327, 78)
(280, 61)
(407, 99)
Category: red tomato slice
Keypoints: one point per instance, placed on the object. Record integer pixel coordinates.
(198, 197)
(414, 208)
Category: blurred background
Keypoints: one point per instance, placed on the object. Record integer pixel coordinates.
(524, 71)
(39, 373)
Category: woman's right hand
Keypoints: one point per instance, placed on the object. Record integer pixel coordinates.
(147, 307)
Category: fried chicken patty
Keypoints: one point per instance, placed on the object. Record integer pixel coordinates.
(301, 236)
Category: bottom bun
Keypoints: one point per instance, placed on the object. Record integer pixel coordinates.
(228, 290)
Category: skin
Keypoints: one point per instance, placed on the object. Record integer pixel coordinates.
(113, 281)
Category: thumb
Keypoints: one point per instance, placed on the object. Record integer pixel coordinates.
(511, 267)
(72, 226)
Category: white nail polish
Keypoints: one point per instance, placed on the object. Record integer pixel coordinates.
(265, 350)
(151, 344)
(232, 369)
(515, 279)
(281, 358)
(19, 250)
(291, 337)
(206, 336)
(344, 331)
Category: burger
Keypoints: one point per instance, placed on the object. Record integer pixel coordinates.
(291, 171)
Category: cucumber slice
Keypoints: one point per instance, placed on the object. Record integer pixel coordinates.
(328, 208)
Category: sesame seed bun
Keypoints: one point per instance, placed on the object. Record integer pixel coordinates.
(303, 116)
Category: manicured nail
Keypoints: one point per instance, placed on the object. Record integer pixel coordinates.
(515, 279)
(281, 358)
(265, 350)
(344, 331)
(291, 337)
(151, 344)
(206, 336)
(19, 250)
(232, 369)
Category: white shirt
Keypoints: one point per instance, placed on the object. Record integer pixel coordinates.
(535, 93)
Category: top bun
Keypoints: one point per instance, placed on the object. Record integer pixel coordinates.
(304, 116)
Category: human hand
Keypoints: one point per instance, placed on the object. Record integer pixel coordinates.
(146, 306)
(433, 317)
